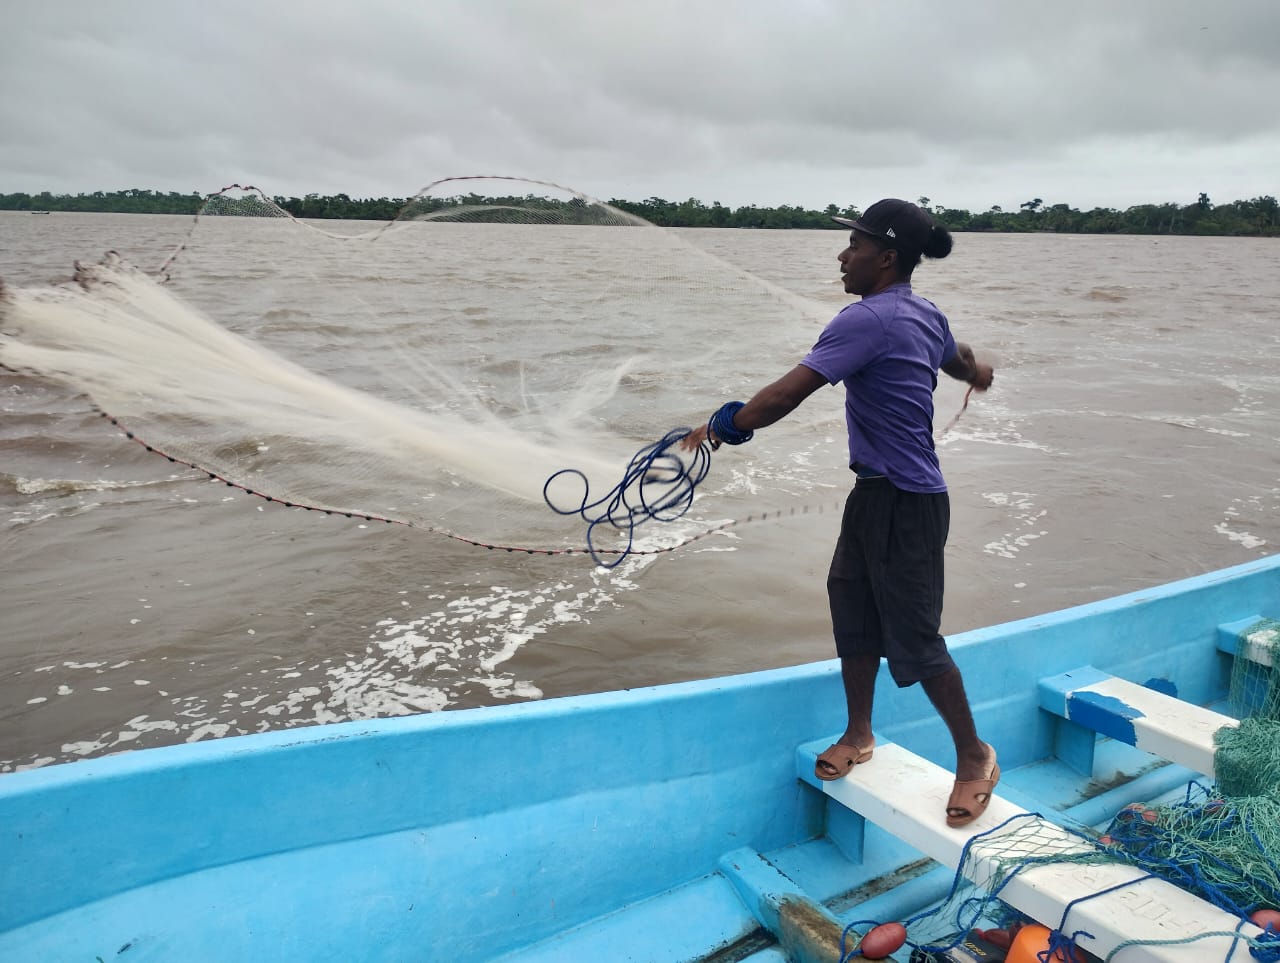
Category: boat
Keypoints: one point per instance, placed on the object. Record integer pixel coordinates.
(675, 823)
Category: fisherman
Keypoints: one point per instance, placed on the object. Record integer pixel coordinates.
(885, 585)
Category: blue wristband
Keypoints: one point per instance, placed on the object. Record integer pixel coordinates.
(722, 424)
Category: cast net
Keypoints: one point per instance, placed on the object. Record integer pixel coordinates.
(435, 370)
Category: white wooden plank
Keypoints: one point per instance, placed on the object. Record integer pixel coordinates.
(907, 796)
(1252, 638)
(1163, 725)
(1257, 646)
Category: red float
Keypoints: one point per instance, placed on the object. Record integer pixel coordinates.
(882, 940)
(1265, 918)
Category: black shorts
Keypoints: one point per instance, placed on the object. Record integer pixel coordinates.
(886, 578)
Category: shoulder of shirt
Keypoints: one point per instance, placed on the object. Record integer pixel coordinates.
(905, 290)
(857, 310)
(923, 300)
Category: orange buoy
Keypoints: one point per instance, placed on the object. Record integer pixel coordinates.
(882, 940)
(1266, 918)
(1032, 940)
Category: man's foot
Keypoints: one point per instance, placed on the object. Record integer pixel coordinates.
(970, 797)
(839, 759)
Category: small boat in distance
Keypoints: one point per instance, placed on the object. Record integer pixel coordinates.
(675, 823)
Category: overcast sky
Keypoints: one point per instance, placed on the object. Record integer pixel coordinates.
(807, 102)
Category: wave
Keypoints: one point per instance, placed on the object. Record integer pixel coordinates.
(19, 485)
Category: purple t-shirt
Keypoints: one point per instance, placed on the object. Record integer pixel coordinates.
(887, 349)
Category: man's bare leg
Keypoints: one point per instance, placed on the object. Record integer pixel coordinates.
(859, 675)
(973, 756)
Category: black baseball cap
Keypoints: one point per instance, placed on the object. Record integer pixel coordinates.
(898, 223)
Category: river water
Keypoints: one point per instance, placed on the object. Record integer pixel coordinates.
(1130, 438)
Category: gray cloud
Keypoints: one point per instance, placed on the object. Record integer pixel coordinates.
(806, 102)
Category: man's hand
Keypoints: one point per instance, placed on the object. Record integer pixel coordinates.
(696, 437)
(983, 377)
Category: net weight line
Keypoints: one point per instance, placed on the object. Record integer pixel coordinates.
(659, 506)
(265, 202)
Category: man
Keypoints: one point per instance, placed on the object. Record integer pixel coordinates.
(886, 581)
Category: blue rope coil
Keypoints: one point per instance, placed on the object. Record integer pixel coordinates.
(1267, 954)
(722, 425)
(657, 484)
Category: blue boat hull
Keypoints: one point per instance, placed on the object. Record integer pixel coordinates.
(577, 828)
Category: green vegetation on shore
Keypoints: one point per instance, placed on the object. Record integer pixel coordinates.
(1259, 216)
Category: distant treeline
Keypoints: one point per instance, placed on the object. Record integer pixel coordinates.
(1259, 216)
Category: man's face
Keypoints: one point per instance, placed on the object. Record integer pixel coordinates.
(861, 264)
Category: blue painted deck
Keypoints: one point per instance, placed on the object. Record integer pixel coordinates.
(585, 828)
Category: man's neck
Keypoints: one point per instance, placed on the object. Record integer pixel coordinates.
(886, 284)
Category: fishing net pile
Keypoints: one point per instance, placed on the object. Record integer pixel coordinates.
(434, 371)
(1220, 842)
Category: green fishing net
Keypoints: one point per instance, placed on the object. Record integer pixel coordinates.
(1254, 689)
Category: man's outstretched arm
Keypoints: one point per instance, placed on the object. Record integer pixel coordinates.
(771, 403)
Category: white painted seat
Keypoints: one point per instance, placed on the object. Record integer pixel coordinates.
(1252, 638)
(1136, 715)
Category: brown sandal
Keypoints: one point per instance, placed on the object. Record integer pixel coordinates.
(839, 759)
(969, 799)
